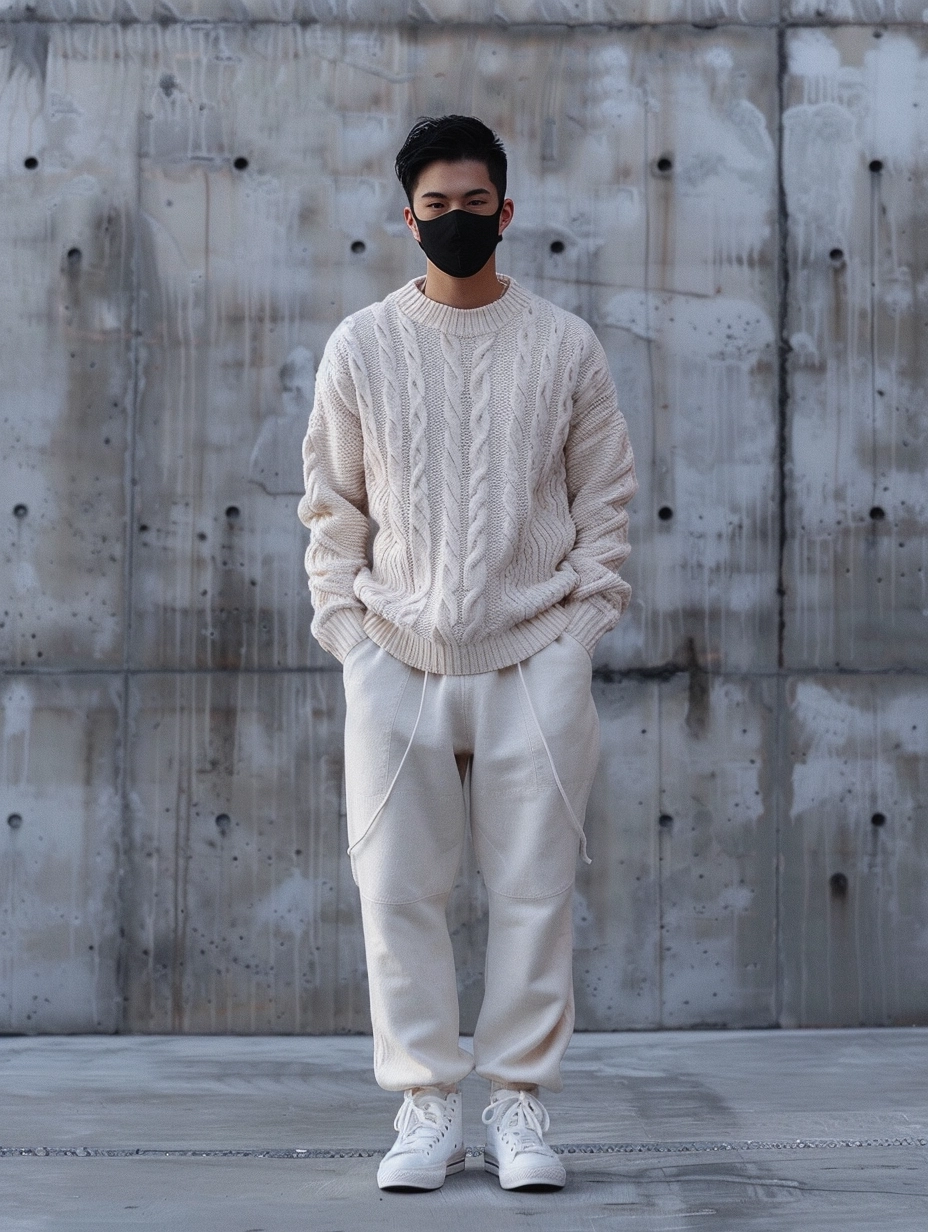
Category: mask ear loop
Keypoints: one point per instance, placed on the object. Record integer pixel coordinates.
(560, 786)
(383, 804)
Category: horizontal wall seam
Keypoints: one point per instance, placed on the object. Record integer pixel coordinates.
(608, 675)
(403, 25)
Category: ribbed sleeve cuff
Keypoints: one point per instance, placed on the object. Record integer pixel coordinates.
(590, 619)
(339, 631)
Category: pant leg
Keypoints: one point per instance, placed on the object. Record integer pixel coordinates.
(527, 850)
(406, 862)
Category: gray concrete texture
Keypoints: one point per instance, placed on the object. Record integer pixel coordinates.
(785, 1130)
(187, 209)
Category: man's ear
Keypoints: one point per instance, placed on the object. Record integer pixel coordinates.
(411, 222)
(506, 213)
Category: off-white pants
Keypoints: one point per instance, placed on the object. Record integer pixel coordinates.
(406, 735)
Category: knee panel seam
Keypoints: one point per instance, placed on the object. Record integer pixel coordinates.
(405, 902)
(533, 898)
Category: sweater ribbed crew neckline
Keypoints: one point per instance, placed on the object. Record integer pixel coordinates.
(463, 322)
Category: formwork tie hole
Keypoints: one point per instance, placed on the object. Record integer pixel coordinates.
(838, 883)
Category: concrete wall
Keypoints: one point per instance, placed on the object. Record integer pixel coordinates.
(193, 194)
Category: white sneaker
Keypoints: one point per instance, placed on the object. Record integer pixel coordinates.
(516, 1151)
(430, 1142)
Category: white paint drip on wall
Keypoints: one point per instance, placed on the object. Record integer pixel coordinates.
(819, 161)
(857, 380)
(17, 723)
(289, 907)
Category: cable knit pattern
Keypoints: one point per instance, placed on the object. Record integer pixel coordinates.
(487, 447)
(447, 593)
(515, 483)
(393, 431)
(420, 530)
(475, 564)
(546, 391)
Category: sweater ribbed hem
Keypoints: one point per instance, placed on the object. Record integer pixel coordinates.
(340, 631)
(514, 646)
(464, 322)
(589, 619)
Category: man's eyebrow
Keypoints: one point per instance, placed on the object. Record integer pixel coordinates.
(471, 192)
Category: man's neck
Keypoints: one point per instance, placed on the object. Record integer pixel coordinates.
(475, 292)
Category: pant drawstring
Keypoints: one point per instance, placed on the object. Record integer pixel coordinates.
(560, 786)
(383, 802)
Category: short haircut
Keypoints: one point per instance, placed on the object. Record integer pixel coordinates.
(453, 139)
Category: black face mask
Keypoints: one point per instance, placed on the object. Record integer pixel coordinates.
(458, 242)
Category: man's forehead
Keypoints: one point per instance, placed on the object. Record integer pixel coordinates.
(444, 177)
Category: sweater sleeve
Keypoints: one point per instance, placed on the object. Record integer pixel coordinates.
(600, 483)
(335, 504)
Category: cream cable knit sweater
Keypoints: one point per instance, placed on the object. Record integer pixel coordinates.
(487, 448)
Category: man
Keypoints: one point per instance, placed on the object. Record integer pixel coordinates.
(474, 427)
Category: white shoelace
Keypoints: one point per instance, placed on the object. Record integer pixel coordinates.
(419, 1121)
(523, 1120)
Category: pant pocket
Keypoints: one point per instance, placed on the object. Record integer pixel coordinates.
(375, 684)
(558, 680)
(407, 847)
(406, 813)
(529, 842)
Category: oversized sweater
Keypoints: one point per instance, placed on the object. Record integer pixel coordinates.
(484, 450)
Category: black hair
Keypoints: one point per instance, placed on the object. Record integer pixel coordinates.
(453, 139)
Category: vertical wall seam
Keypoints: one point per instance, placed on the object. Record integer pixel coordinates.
(649, 351)
(783, 348)
(873, 239)
(122, 966)
(659, 694)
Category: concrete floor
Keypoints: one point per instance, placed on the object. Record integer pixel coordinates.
(778, 1131)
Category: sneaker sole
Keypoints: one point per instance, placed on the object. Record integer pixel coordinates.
(555, 1178)
(422, 1180)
